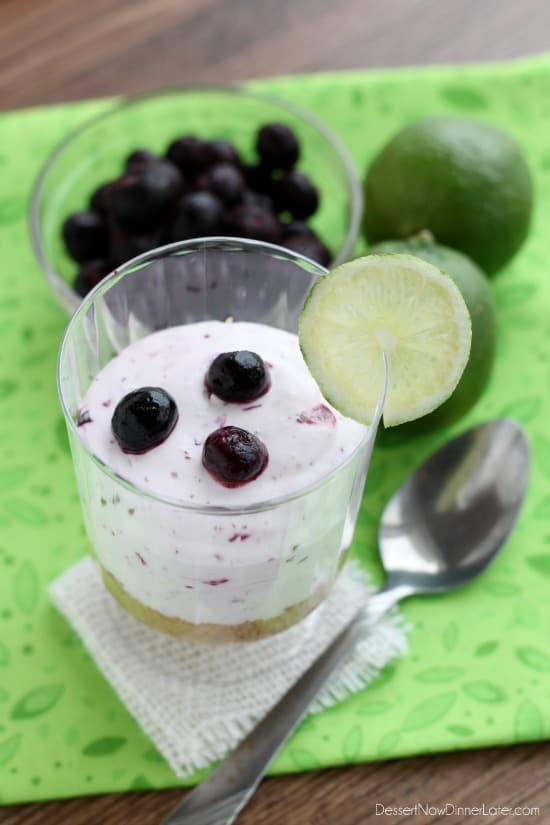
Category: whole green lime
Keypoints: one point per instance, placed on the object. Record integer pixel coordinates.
(465, 181)
(476, 291)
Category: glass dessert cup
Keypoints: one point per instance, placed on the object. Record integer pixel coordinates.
(216, 589)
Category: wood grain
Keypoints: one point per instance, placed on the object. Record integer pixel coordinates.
(54, 50)
(511, 777)
(57, 50)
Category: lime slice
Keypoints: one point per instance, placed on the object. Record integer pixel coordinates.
(397, 304)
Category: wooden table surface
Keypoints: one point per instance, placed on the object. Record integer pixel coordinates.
(56, 50)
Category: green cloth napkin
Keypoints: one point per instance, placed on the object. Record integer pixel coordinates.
(479, 662)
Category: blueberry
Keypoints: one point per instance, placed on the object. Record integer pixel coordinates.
(233, 456)
(310, 246)
(297, 194)
(199, 214)
(137, 159)
(86, 236)
(187, 154)
(124, 246)
(213, 152)
(293, 227)
(238, 376)
(223, 180)
(142, 202)
(277, 146)
(89, 275)
(251, 221)
(99, 200)
(143, 419)
(258, 199)
(259, 178)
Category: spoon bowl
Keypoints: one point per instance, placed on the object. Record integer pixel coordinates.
(451, 517)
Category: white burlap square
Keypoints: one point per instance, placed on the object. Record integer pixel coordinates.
(196, 702)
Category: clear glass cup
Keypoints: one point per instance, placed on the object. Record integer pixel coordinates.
(305, 536)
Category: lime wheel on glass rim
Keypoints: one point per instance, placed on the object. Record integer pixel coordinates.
(394, 304)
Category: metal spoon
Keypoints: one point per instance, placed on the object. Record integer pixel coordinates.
(444, 525)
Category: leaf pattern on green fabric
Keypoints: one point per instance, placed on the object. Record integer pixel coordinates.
(71, 737)
(528, 722)
(534, 658)
(461, 730)
(428, 711)
(36, 358)
(152, 755)
(540, 564)
(439, 674)
(525, 614)
(386, 675)
(25, 512)
(465, 97)
(26, 587)
(387, 744)
(450, 637)
(8, 748)
(374, 708)
(7, 388)
(304, 760)
(485, 692)
(105, 746)
(351, 746)
(37, 701)
(140, 783)
(486, 648)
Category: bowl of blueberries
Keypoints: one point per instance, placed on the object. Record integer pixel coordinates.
(191, 162)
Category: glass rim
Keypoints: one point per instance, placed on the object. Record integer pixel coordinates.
(353, 184)
(135, 264)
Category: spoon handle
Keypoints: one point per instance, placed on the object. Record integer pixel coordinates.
(220, 798)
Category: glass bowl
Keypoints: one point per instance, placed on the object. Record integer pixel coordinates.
(94, 153)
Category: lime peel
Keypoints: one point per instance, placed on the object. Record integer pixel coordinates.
(397, 304)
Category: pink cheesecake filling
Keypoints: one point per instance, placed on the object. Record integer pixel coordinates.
(220, 568)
